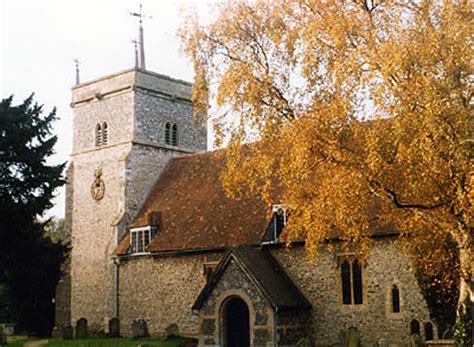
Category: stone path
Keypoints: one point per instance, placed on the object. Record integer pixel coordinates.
(39, 343)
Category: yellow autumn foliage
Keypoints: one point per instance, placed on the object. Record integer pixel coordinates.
(360, 109)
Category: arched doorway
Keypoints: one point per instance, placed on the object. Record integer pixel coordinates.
(236, 323)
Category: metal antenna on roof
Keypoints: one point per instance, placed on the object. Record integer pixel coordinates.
(141, 42)
(77, 62)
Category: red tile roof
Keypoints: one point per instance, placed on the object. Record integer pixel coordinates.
(194, 211)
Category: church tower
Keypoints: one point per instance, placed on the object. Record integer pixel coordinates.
(126, 128)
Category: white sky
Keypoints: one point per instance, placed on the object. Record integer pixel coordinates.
(40, 39)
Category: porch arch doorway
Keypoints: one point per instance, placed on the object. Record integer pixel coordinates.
(236, 323)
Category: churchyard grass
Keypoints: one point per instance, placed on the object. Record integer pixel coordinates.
(18, 341)
(121, 342)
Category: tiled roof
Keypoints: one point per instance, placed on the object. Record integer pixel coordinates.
(194, 211)
(265, 272)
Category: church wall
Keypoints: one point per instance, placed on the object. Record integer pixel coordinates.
(162, 290)
(93, 236)
(320, 283)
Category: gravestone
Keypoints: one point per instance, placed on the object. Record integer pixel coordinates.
(415, 340)
(56, 333)
(67, 332)
(304, 342)
(3, 337)
(171, 331)
(114, 327)
(139, 328)
(353, 338)
(81, 328)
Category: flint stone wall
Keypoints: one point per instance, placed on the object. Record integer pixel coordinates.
(135, 104)
(320, 283)
(162, 290)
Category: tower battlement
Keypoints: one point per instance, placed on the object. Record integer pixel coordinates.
(130, 79)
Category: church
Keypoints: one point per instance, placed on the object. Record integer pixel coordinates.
(156, 240)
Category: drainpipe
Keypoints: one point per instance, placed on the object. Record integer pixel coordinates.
(275, 326)
(117, 277)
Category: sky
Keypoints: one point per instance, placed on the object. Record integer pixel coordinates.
(39, 41)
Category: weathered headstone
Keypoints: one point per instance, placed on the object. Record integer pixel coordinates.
(139, 328)
(67, 332)
(171, 331)
(56, 333)
(81, 328)
(304, 342)
(353, 338)
(3, 337)
(114, 327)
(415, 340)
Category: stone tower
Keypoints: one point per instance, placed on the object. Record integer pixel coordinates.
(126, 128)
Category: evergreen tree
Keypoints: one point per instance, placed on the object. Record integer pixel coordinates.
(29, 261)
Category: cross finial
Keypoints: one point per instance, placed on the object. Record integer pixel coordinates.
(77, 62)
(141, 43)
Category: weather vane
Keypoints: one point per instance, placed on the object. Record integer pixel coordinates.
(141, 43)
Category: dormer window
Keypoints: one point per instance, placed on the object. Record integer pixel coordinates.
(140, 238)
(277, 224)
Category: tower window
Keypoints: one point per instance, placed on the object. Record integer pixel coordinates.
(395, 299)
(168, 133)
(351, 281)
(101, 134)
(174, 135)
(98, 135)
(105, 134)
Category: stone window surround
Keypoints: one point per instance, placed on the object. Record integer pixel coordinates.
(101, 134)
(388, 301)
(171, 134)
(351, 307)
(151, 232)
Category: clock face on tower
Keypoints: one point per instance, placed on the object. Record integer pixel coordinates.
(97, 186)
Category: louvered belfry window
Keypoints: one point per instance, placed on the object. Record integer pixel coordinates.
(174, 135)
(168, 133)
(98, 135)
(105, 134)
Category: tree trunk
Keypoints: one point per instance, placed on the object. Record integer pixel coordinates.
(466, 262)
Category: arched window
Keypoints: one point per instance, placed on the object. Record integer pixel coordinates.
(428, 331)
(174, 135)
(414, 327)
(357, 282)
(346, 283)
(168, 133)
(351, 281)
(105, 134)
(395, 299)
(98, 135)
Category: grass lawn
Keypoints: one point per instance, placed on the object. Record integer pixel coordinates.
(123, 342)
(18, 341)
